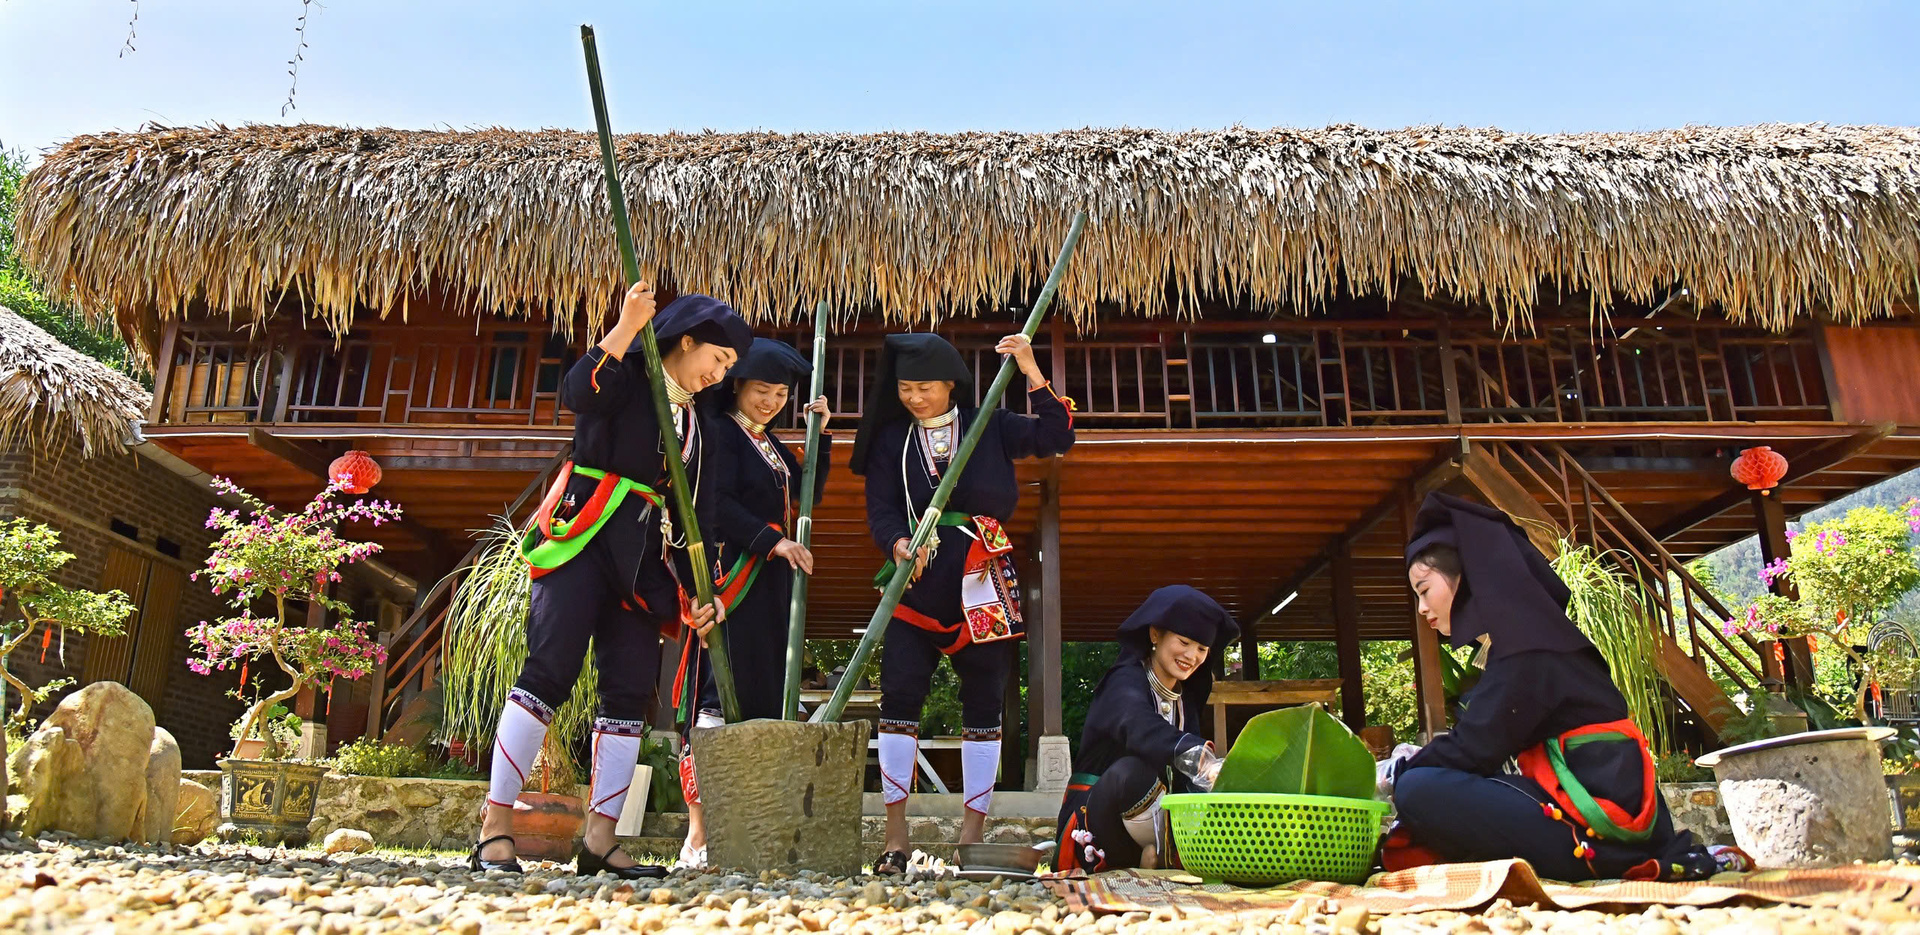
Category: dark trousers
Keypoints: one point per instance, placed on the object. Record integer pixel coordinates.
(579, 604)
(1466, 817)
(1124, 788)
(756, 633)
(908, 660)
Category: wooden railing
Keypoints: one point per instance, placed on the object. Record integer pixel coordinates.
(1679, 605)
(1223, 374)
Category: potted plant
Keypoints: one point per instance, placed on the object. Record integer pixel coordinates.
(486, 647)
(1818, 798)
(283, 727)
(267, 559)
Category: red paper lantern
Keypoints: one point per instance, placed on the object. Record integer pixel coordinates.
(1759, 468)
(355, 471)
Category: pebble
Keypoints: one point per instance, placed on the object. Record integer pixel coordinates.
(55, 884)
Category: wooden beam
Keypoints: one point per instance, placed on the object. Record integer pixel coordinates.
(1819, 458)
(298, 455)
(519, 465)
(1436, 473)
(1346, 616)
(1506, 493)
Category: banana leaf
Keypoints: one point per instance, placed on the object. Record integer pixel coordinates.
(1298, 751)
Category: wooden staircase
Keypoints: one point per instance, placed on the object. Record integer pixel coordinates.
(1553, 497)
(414, 649)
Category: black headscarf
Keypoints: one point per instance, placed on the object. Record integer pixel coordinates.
(707, 319)
(1507, 590)
(768, 361)
(1188, 611)
(907, 357)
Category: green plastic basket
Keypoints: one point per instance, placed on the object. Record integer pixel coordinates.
(1266, 838)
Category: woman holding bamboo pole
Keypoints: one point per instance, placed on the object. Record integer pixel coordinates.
(755, 480)
(964, 601)
(604, 567)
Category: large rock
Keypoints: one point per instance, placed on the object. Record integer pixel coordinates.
(163, 788)
(783, 795)
(85, 770)
(196, 812)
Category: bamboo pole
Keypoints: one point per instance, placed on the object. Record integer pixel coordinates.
(803, 521)
(656, 379)
(923, 531)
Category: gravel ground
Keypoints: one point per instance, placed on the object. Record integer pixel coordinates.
(51, 885)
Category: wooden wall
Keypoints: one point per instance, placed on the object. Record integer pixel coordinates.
(1874, 372)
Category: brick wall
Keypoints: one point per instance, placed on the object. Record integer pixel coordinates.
(81, 497)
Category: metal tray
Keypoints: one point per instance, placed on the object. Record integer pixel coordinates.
(1010, 858)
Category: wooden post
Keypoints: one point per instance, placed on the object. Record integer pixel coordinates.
(1012, 753)
(1046, 727)
(1429, 698)
(377, 692)
(1250, 652)
(1035, 609)
(1346, 629)
(1449, 374)
(163, 374)
(1770, 521)
(1045, 643)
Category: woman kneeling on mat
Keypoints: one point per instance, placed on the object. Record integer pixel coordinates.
(1582, 803)
(1139, 740)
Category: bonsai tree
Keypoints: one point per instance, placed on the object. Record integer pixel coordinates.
(268, 560)
(29, 558)
(1847, 572)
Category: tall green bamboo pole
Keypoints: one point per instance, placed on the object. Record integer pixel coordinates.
(803, 522)
(923, 531)
(656, 379)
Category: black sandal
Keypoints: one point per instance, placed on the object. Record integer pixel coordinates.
(586, 863)
(892, 863)
(477, 863)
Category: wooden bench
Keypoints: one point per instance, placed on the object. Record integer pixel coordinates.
(1267, 696)
(865, 703)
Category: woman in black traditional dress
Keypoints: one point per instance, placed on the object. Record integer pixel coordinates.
(756, 482)
(1579, 800)
(602, 567)
(964, 602)
(1140, 738)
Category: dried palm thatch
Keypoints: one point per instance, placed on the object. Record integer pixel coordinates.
(1764, 222)
(50, 392)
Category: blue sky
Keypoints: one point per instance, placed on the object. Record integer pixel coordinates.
(1619, 64)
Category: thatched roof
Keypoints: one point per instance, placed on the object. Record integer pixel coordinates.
(48, 390)
(1764, 222)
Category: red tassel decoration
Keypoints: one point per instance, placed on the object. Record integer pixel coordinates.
(243, 674)
(46, 640)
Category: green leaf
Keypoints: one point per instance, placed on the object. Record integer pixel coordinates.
(1298, 751)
